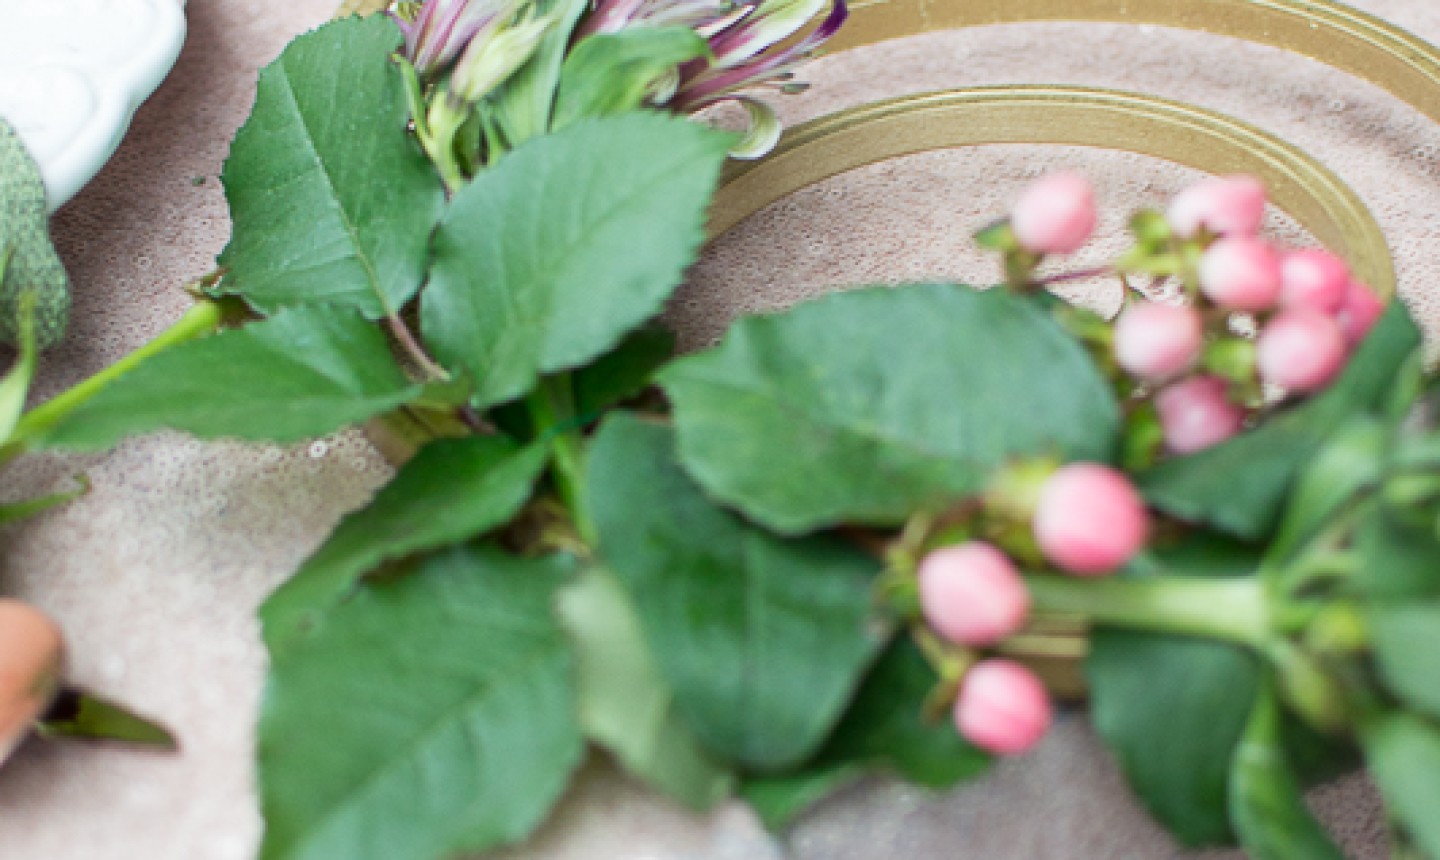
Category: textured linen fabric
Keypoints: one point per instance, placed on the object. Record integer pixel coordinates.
(156, 574)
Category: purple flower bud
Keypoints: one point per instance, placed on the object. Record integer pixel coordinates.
(441, 30)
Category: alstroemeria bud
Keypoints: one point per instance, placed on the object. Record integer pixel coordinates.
(751, 46)
(1313, 279)
(496, 53)
(439, 30)
(1300, 350)
(1225, 206)
(1155, 342)
(1359, 312)
(31, 652)
(972, 594)
(1055, 215)
(1196, 414)
(1241, 274)
(1003, 708)
(1090, 520)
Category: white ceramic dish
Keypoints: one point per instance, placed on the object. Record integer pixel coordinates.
(73, 72)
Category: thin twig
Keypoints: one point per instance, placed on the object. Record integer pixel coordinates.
(412, 347)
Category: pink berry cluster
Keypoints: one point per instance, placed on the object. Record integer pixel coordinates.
(1087, 520)
(1309, 310)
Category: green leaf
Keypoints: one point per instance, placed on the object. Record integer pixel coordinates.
(886, 729)
(1406, 639)
(779, 800)
(1267, 802)
(331, 199)
(1204, 487)
(624, 372)
(453, 490)
(32, 265)
(303, 373)
(523, 105)
(1403, 752)
(613, 73)
(624, 704)
(762, 640)
(79, 714)
(432, 714)
(15, 386)
(1397, 559)
(866, 406)
(1173, 710)
(1350, 461)
(546, 260)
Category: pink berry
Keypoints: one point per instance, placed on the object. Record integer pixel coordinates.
(1003, 708)
(1155, 342)
(1055, 215)
(1313, 279)
(1359, 312)
(1226, 206)
(1090, 520)
(972, 594)
(1242, 274)
(1300, 350)
(1196, 414)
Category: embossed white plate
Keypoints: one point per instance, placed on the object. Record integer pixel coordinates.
(73, 72)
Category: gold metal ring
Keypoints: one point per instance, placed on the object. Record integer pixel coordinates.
(1345, 38)
(1189, 135)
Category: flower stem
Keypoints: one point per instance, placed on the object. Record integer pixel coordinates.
(552, 407)
(202, 319)
(1230, 609)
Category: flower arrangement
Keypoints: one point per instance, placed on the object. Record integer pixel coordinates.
(815, 550)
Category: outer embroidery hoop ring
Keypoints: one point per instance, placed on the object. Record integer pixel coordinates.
(1353, 41)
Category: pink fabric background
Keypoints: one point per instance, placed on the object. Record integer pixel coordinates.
(156, 574)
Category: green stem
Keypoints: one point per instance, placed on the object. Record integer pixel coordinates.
(1230, 609)
(552, 406)
(200, 320)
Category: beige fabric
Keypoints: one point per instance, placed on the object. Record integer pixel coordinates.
(156, 574)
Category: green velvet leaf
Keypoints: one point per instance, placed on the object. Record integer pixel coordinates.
(1406, 639)
(303, 373)
(1403, 752)
(550, 257)
(1267, 801)
(31, 265)
(432, 714)
(453, 490)
(331, 199)
(869, 405)
(625, 705)
(762, 640)
(1203, 487)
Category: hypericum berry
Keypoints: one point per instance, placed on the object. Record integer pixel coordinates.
(1313, 279)
(31, 650)
(1196, 414)
(1155, 342)
(1359, 312)
(1055, 215)
(1090, 520)
(1003, 708)
(1300, 350)
(1225, 206)
(972, 594)
(1241, 274)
